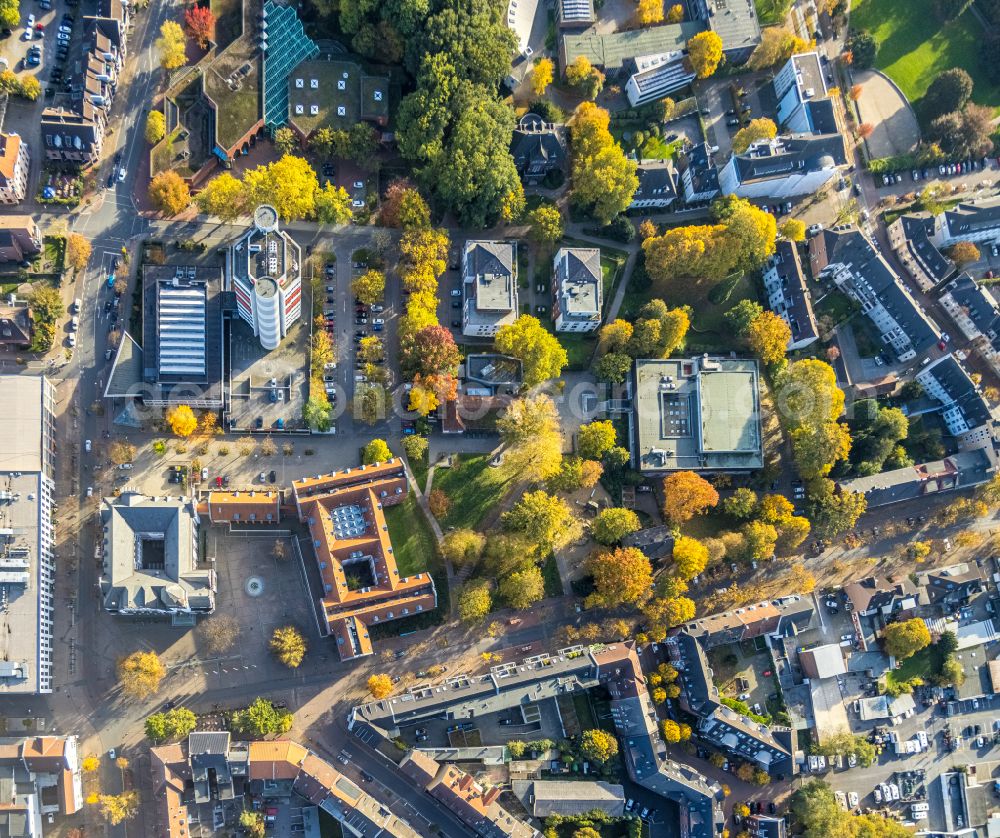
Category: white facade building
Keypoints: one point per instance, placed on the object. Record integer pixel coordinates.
(489, 287)
(15, 163)
(577, 289)
(264, 268)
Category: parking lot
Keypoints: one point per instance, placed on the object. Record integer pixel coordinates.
(270, 388)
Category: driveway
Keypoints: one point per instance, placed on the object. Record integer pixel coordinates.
(886, 109)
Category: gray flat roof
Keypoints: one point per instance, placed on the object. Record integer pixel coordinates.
(20, 617)
(612, 51)
(699, 413)
(21, 422)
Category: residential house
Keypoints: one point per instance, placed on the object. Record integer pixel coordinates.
(848, 258)
(700, 414)
(977, 314)
(475, 805)
(538, 148)
(192, 778)
(656, 543)
(788, 296)
(822, 662)
(16, 325)
(786, 616)
(652, 77)
(952, 587)
(151, 558)
(804, 103)
(964, 409)
(577, 289)
(20, 238)
(76, 135)
(977, 222)
(15, 164)
(882, 596)
(766, 826)
(40, 777)
(769, 748)
(489, 287)
(958, 471)
(911, 237)
(657, 185)
(785, 167)
(699, 175)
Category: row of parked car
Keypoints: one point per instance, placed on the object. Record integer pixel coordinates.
(928, 172)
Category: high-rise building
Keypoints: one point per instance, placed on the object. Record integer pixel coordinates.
(27, 565)
(264, 269)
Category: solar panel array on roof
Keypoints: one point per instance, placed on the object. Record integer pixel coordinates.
(180, 314)
(286, 45)
(581, 10)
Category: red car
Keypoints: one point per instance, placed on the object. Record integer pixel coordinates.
(218, 482)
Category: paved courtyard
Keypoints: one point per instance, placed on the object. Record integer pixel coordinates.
(886, 109)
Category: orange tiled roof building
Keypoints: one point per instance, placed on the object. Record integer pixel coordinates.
(361, 582)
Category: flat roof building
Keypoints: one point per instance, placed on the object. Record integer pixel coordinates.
(151, 557)
(181, 359)
(577, 289)
(698, 414)
(489, 287)
(362, 585)
(27, 563)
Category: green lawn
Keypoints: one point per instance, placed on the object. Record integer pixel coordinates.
(473, 487)
(550, 574)
(915, 47)
(772, 12)
(923, 664)
(412, 540)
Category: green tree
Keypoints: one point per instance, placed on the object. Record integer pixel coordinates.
(156, 727)
(545, 520)
(463, 546)
(741, 315)
(604, 179)
(614, 367)
(862, 48)
(546, 224)
(523, 588)
(741, 504)
(475, 602)
(261, 718)
(10, 13)
(539, 351)
(376, 451)
(333, 205)
(316, 413)
(905, 638)
(369, 287)
(610, 526)
(947, 92)
(596, 438)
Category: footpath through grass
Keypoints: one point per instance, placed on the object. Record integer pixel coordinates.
(915, 47)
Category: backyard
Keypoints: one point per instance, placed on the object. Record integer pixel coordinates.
(472, 487)
(915, 47)
(924, 664)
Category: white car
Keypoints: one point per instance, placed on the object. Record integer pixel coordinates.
(456, 292)
(65, 30)
(204, 474)
(878, 795)
(852, 760)
(111, 753)
(90, 491)
(852, 799)
(86, 445)
(359, 184)
(125, 466)
(378, 321)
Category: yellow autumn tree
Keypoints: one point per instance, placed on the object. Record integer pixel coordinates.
(705, 53)
(649, 12)
(758, 129)
(380, 685)
(182, 420)
(542, 75)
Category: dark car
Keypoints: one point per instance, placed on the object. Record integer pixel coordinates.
(111, 180)
(456, 324)
(272, 477)
(260, 422)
